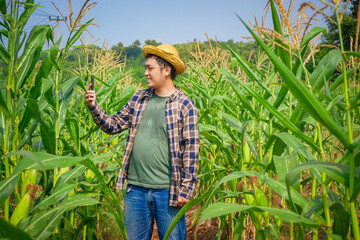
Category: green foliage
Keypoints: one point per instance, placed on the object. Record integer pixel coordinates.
(271, 127)
(42, 112)
(348, 28)
(269, 131)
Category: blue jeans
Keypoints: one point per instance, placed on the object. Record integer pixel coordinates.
(142, 206)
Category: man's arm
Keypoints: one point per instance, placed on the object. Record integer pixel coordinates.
(190, 158)
(109, 124)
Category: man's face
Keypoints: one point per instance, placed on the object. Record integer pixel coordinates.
(154, 75)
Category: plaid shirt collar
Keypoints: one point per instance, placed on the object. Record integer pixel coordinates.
(150, 91)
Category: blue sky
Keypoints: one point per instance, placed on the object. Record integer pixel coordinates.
(171, 21)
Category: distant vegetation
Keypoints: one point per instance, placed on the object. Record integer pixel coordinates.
(134, 58)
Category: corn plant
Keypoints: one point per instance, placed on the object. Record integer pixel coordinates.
(54, 173)
(20, 66)
(279, 150)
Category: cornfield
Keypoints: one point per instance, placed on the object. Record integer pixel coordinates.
(280, 143)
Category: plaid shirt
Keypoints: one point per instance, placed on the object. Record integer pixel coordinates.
(181, 116)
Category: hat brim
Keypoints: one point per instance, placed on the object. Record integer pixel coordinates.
(170, 57)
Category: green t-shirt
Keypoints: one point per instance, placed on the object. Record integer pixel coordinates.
(150, 161)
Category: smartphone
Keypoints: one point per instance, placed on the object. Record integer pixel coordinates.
(92, 83)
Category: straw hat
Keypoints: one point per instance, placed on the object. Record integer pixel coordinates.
(167, 52)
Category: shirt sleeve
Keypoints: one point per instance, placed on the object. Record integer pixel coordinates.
(190, 158)
(111, 124)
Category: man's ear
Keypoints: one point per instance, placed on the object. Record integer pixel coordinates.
(167, 70)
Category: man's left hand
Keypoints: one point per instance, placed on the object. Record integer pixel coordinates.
(182, 201)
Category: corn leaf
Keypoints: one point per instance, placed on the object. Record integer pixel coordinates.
(336, 171)
(50, 225)
(68, 176)
(220, 209)
(11, 232)
(278, 115)
(34, 160)
(3, 107)
(355, 54)
(47, 132)
(239, 93)
(68, 87)
(22, 210)
(296, 144)
(248, 70)
(35, 91)
(325, 69)
(302, 94)
(4, 55)
(77, 34)
(275, 185)
(339, 80)
(58, 195)
(182, 211)
(3, 7)
(31, 54)
(284, 164)
(42, 224)
(304, 45)
(29, 8)
(341, 220)
(313, 209)
(281, 48)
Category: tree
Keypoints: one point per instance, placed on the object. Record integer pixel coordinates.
(348, 27)
(152, 42)
(136, 43)
(133, 51)
(354, 8)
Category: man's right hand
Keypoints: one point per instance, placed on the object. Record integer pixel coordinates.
(90, 97)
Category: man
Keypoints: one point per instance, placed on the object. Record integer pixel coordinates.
(162, 151)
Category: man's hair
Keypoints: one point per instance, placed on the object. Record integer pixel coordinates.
(163, 63)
